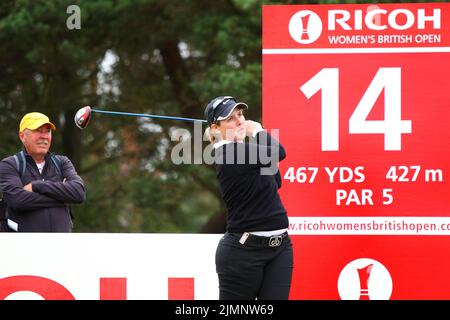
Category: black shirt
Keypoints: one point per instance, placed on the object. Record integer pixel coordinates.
(249, 180)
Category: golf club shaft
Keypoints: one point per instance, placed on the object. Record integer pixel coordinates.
(118, 113)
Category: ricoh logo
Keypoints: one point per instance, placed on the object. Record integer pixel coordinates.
(365, 279)
(306, 26)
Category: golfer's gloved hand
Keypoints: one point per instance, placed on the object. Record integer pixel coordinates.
(252, 128)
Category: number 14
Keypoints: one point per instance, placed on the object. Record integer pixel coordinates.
(387, 79)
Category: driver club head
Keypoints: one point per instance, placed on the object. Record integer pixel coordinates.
(82, 117)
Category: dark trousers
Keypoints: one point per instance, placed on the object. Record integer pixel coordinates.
(253, 270)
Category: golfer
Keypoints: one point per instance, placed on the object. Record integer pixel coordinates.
(254, 258)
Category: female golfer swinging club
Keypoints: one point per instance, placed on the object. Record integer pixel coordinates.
(254, 258)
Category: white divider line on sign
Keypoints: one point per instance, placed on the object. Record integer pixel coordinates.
(356, 50)
(369, 226)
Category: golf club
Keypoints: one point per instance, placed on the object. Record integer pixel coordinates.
(84, 115)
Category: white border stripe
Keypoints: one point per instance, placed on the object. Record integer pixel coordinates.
(418, 226)
(356, 50)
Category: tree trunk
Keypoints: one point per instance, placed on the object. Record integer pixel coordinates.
(180, 79)
(71, 138)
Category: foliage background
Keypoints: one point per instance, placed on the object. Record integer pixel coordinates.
(144, 56)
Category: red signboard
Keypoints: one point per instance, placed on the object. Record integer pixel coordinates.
(360, 96)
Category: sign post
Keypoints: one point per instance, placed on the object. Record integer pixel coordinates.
(360, 96)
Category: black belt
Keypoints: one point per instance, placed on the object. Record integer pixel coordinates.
(270, 241)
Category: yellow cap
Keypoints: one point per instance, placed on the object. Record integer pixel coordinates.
(34, 120)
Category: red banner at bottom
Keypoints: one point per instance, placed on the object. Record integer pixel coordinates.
(371, 268)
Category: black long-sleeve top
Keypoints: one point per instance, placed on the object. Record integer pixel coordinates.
(249, 180)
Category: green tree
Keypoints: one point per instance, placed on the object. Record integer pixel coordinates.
(143, 56)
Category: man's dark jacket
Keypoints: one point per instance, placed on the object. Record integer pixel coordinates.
(46, 209)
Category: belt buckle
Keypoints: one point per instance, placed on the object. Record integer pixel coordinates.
(275, 241)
